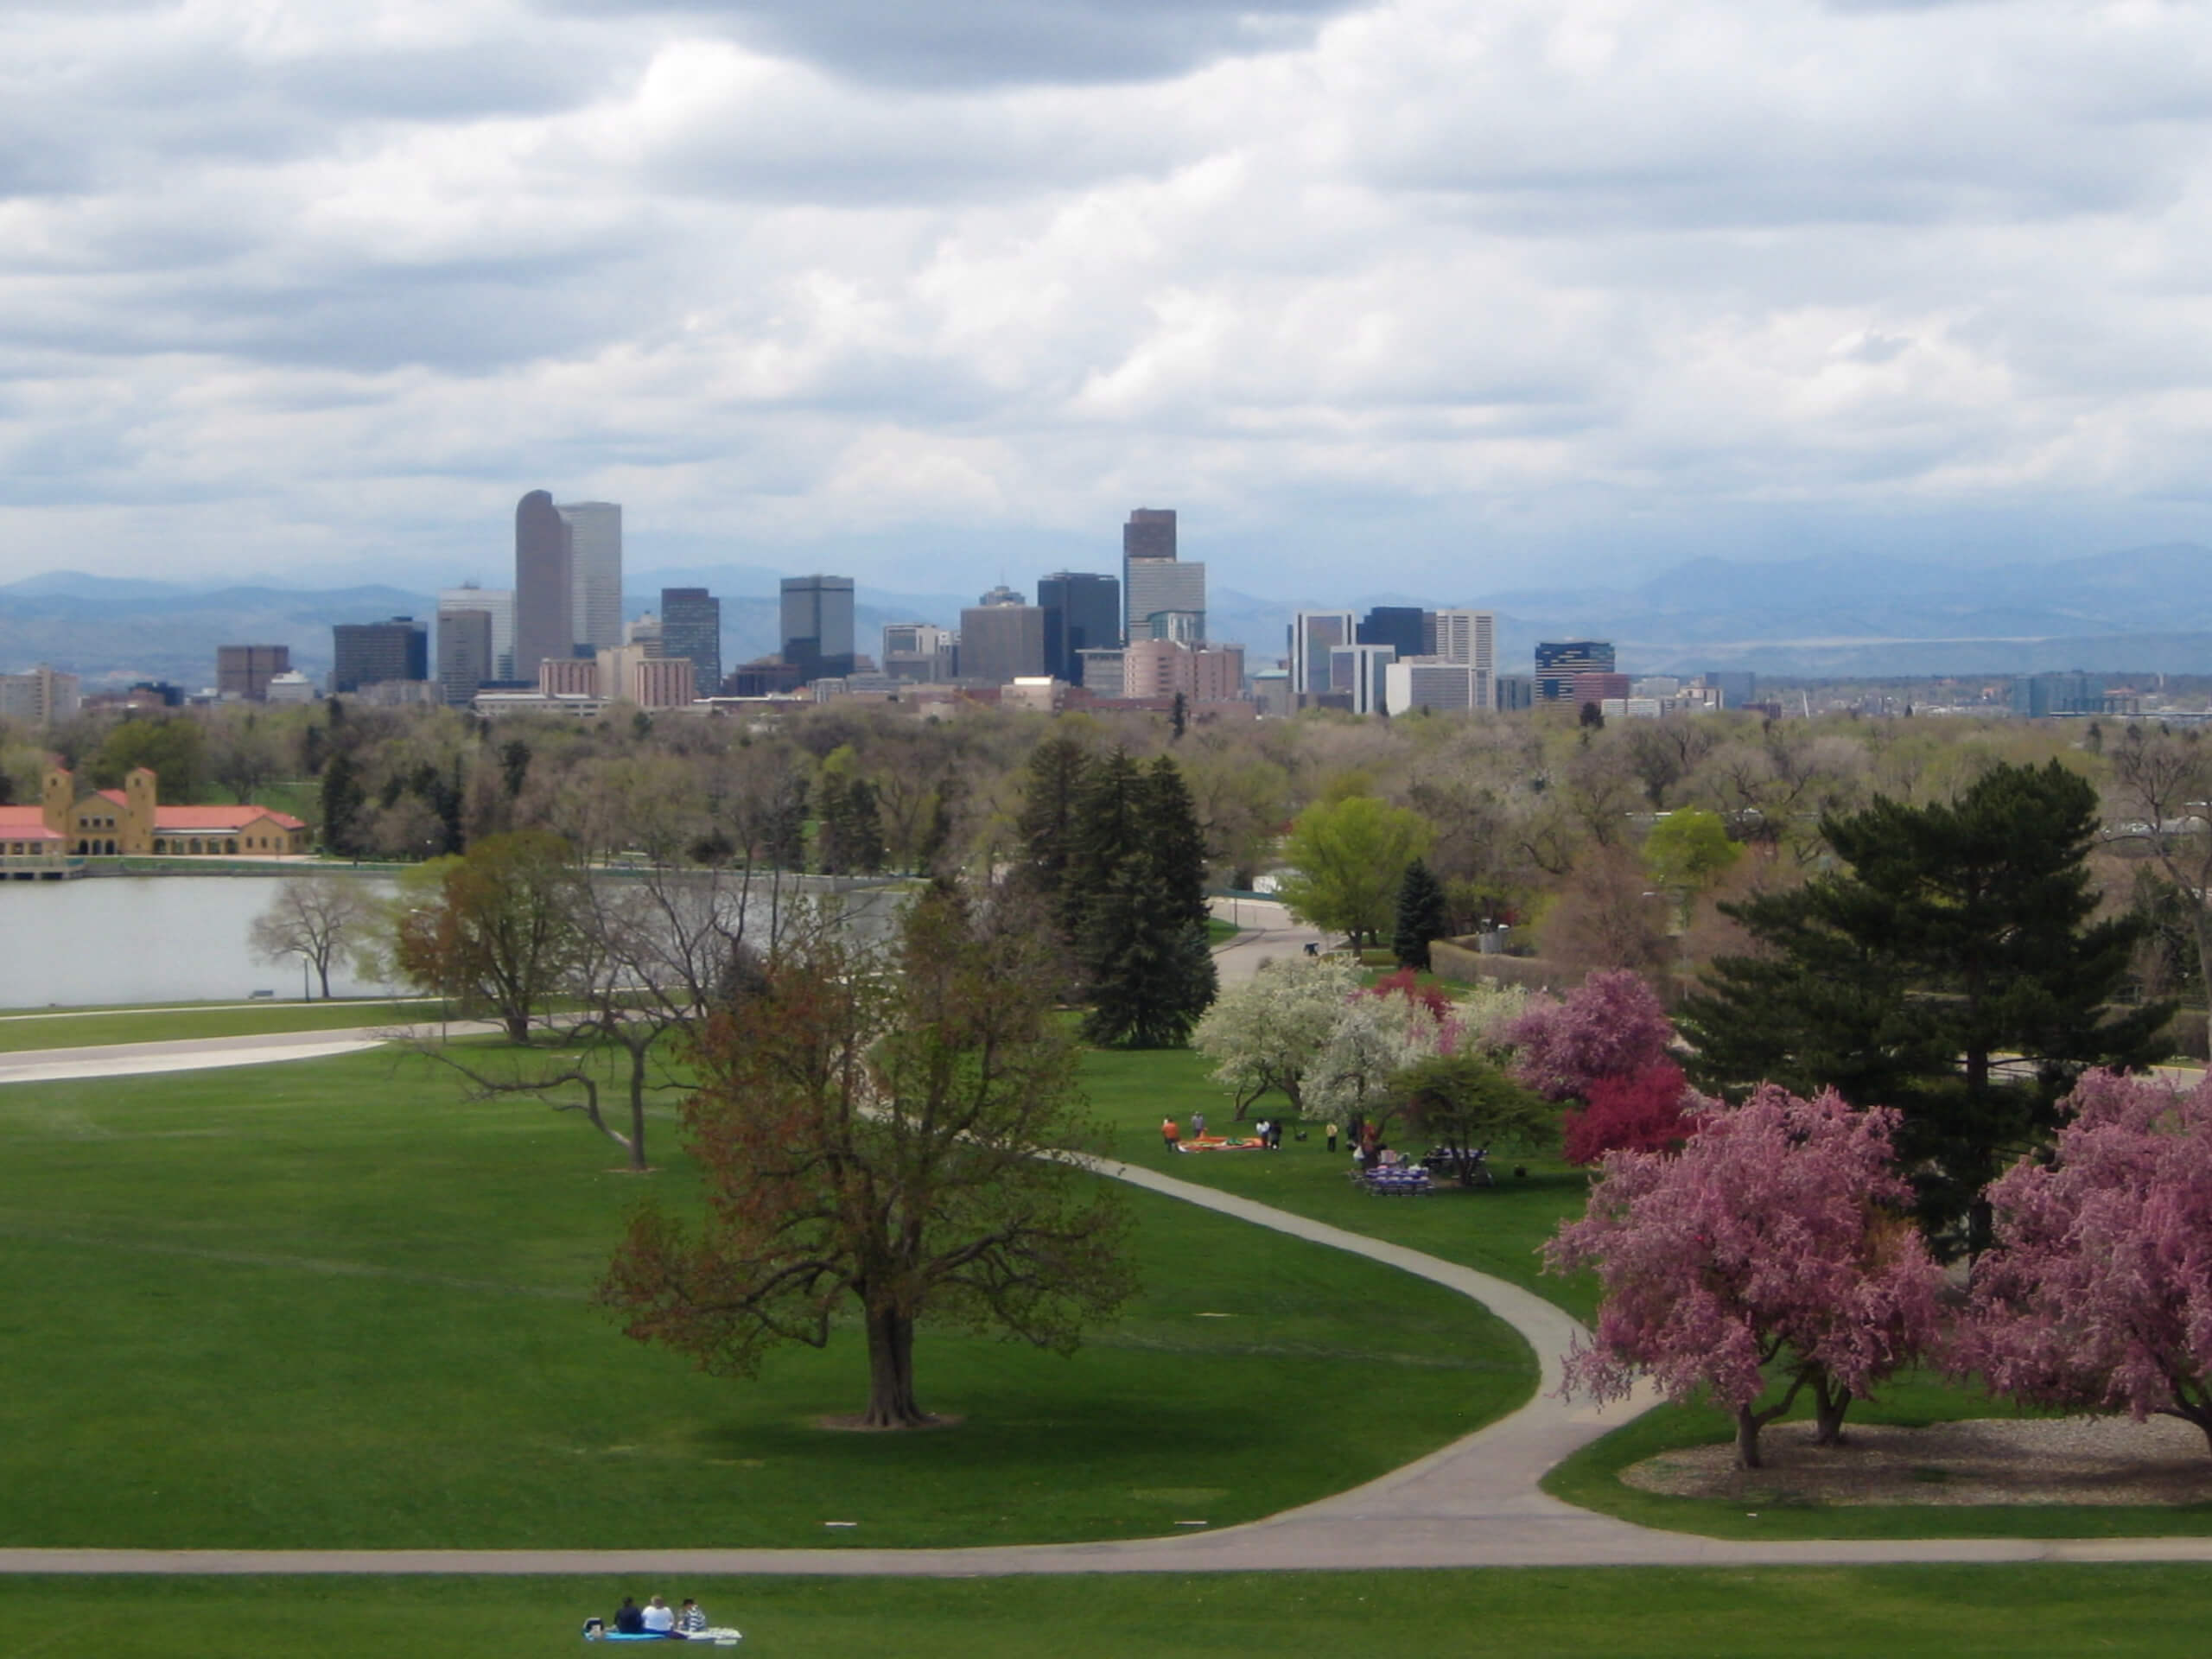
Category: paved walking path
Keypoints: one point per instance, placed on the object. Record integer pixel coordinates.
(1475, 1503)
(208, 1054)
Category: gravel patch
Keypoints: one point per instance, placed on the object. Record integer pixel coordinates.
(1978, 1460)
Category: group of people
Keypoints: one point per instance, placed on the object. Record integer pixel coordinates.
(1268, 1131)
(656, 1617)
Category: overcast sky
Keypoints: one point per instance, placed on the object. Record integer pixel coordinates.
(1439, 295)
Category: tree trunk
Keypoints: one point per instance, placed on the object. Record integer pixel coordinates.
(1829, 1403)
(322, 973)
(1748, 1424)
(890, 1373)
(637, 1106)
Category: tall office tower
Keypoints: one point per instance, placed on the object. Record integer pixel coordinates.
(1082, 612)
(1150, 534)
(376, 653)
(644, 633)
(1313, 635)
(1164, 598)
(498, 603)
(1558, 661)
(1737, 687)
(1001, 642)
(1398, 627)
(1357, 671)
(465, 658)
(544, 587)
(1437, 687)
(819, 625)
(692, 626)
(1465, 636)
(594, 572)
(245, 670)
(40, 697)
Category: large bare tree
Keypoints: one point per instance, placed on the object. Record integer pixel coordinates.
(318, 919)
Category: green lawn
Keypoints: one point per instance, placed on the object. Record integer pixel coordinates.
(88, 1028)
(329, 1304)
(1947, 1612)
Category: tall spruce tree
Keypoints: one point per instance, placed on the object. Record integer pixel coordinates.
(1051, 811)
(1423, 915)
(1952, 971)
(1138, 879)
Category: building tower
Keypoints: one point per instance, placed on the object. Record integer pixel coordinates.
(692, 626)
(465, 655)
(1163, 597)
(544, 593)
(1558, 661)
(1002, 639)
(1082, 612)
(1313, 635)
(245, 670)
(819, 625)
(594, 572)
(1398, 627)
(498, 603)
(379, 653)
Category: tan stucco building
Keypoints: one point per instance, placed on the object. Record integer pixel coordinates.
(132, 820)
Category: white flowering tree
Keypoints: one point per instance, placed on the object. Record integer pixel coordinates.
(1266, 1035)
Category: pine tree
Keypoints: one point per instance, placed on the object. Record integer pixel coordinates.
(1952, 971)
(1423, 915)
(1140, 873)
(1052, 811)
(342, 800)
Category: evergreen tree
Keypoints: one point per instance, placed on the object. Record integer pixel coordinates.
(1140, 872)
(1052, 802)
(783, 840)
(1423, 915)
(850, 838)
(342, 800)
(1952, 971)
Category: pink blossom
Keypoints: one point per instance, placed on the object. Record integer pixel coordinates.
(1610, 1026)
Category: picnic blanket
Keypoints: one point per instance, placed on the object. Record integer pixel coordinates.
(1216, 1143)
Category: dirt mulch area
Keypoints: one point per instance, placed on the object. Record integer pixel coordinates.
(1981, 1460)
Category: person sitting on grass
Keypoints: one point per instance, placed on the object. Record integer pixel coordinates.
(629, 1617)
(690, 1617)
(659, 1619)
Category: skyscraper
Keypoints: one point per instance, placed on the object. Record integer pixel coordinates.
(1082, 612)
(1359, 672)
(1558, 661)
(1398, 627)
(818, 624)
(594, 572)
(1468, 638)
(245, 670)
(1002, 639)
(691, 626)
(1163, 597)
(376, 653)
(464, 655)
(1314, 634)
(545, 595)
(498, 603)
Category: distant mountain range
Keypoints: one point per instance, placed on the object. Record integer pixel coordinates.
(2142, 610)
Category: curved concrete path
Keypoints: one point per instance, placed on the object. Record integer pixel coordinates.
(1476, 1502)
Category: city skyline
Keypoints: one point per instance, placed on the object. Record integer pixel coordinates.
(822, 298)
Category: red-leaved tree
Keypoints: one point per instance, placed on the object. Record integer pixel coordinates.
(1771, 1255)
(1610, 1026)
(2098, 1293)
(1649, 1110)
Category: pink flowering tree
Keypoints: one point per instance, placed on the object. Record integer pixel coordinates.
(1610, 1026)
(1769, 1257)
(2098, 1293)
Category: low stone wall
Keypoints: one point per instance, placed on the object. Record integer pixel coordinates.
(1458, 959)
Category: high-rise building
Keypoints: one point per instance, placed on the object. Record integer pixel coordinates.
(40, 697)
(819, 625)
(1558, 661)
(1082, 612)
(1103, 675)
(633, 674)
(1163, 597)
(692, 626)
(918, 651)
(1357, 671)
(245, 670)
(1399, 627)
(594, 572)
(1467, 638)
(1313, 635)
(464, 658)
(1738, 687)
(1438, 688)
(1161, 668)
(544, 586)
(1001, 641)
(379, 653)
(497, 603)
(644, 631)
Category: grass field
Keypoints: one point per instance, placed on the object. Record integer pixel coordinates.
(2135, 1611)
(329, 1303)
(90, 1027)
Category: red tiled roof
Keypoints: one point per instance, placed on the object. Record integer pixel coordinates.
(27, 816)
(115, 794)
(218, 818)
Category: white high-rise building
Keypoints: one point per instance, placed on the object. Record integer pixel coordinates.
(1440, 688)
(1166, 600)
(1358, 670)
(501, 602)
(596, 571)
(1469, 637)
(1313, 635)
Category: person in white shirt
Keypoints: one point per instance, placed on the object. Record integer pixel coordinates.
(660, 1617)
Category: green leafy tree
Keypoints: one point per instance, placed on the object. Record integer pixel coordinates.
(175, 748)
(1350, 857)
(498, 928)
(1688, 851)
(1423, 916)
(1465, 1104)
(1952, 970)
(886, 1137)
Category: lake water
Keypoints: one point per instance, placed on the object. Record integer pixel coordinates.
(182, 939)
(145, 939)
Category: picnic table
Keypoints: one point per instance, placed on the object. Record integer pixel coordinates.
(1398, 1180)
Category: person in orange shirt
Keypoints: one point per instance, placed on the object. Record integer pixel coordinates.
(1171, 1132)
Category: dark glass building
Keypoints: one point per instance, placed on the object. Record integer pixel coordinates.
(371, 653)
(819, 625)
(691, 626)
(1082, 612)
(1396, 625)
(1558, 661)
